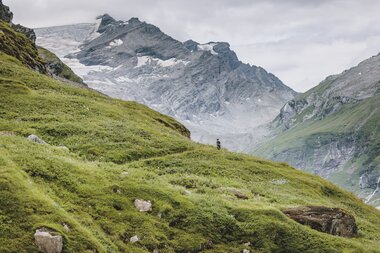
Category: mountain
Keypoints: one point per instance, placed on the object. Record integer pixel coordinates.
(83, 172)
(333, 130)
(204, 86)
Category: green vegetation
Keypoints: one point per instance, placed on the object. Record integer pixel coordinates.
(119, 151)
(57, 66)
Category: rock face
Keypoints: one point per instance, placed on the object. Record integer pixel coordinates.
(27, 31)
(48, 241)
(5, 13)
(7, 16)
(332, 130)
(205, 86)
(333, 221)
(143, 206)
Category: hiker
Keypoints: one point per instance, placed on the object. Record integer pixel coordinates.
(218, 144)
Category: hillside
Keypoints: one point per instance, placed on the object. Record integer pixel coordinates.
(103, 154)
(203, 85)
(333, 130)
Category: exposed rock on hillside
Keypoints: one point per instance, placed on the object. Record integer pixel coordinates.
(5, 13)
(334, 221)
(36, 139)
(142, 205)
(48, 241)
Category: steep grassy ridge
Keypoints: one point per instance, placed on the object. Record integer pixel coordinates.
(118, 151)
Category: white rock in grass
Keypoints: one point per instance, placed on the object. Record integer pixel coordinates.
(134, 239)
(36, 139)
(142, 205)
(124, 174)
(66, 228)
(246, 251)
(48, 241)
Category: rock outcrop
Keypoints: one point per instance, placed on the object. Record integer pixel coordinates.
(333, 221)
(21, 47)
(48, 241)
(7, 16)
(28, 32)
(5, 13)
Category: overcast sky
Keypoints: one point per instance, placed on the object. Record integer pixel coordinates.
(300, 41)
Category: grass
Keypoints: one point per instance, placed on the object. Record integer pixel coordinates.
(86, 186)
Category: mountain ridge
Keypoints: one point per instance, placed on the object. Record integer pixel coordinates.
(333, 131)
(195, 83)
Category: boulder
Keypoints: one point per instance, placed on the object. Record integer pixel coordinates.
(48, 241)
(246, 251)
(36, 139)
(142, 205)
(134, 239)
(333, 221)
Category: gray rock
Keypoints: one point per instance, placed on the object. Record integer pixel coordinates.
(142, 205)
(48, 241)
(246, 251)
(36, 139)
(134, 239)
(27, 31)
(106, 20)
(5, 13)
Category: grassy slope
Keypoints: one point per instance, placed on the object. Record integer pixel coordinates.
(84, 187)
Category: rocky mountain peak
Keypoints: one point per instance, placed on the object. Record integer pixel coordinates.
(5, 13)
(106, 20)
(191, 45)
(134, 20)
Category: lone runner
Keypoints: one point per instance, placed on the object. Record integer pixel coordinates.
(218, 145)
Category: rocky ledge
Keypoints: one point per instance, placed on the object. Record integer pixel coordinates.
(333, 221)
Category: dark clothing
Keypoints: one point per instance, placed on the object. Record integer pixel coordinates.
(218, 145)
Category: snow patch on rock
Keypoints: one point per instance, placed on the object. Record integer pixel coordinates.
(208, 47)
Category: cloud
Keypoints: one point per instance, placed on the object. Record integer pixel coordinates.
(299, 41)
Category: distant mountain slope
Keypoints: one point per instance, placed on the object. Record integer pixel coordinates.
(333, 130)
(205, 86)
(102, 154)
